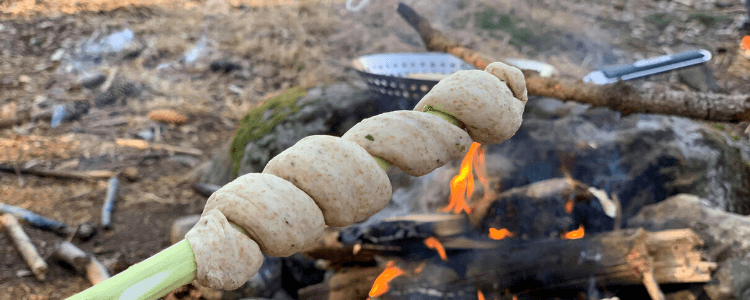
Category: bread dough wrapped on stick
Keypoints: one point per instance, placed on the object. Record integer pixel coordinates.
(337, 181)
(278, 218)
(415, 142)
(342, 178)
(489, 103)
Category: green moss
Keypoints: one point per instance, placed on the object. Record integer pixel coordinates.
(707, 19)
(660, 20)
(253, 125)
(718, 126)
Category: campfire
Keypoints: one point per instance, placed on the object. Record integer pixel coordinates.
(483, 245)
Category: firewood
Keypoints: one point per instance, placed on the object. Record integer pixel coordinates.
(537, 190)
(81, 262)
(353, 283)
(613, 258)
(25, 247)
(621, 96)
(442, 224)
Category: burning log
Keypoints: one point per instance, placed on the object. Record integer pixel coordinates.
(619, 258)
(620, 96)
(543, 208)
(613, 258)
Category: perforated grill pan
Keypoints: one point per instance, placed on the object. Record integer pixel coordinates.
(386, 75)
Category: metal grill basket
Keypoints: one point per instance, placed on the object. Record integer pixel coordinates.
(385, 75)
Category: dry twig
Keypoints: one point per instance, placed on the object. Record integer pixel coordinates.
(24, 245)
(143, 145)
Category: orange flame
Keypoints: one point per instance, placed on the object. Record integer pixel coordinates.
(462, 185)
(380, 286)
(745, 44)
(433, 243)
(575, 234)
(499, 234)
(480, 295)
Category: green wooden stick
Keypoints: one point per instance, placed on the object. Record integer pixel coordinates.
(172, 267)
(150, 279)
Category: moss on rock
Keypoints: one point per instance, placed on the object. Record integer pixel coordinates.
(262, 119)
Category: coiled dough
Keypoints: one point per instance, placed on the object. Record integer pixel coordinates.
(415, 142)
(341, 177)
(479, 99)
(225, 257)
(278, 216)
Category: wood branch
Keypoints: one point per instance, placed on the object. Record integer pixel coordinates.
(143, 145)
(611, 258)
(86, 175)
(25, 247)
(81, 261)
(620, 96)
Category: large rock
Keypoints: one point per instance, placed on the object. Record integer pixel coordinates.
(283, 120)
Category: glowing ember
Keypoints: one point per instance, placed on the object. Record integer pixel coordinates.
(575, 234)
(462, 185)
(433, 243)
(480, 295)
(569, 206)
(380, 286)
(499, 234)
(419, 268)
(745, 43)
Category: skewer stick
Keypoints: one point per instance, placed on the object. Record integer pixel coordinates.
(24, 245)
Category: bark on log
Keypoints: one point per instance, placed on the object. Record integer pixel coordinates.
(620, 96)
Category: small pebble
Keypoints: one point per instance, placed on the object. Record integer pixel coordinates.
(86, 231)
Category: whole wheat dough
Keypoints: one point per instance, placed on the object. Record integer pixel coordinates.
(281, 218)
(512, 76)
(344, 180)
(415, 142)
(485, 105)
(225, 257)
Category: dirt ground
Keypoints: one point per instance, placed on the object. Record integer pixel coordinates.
(279, 46)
